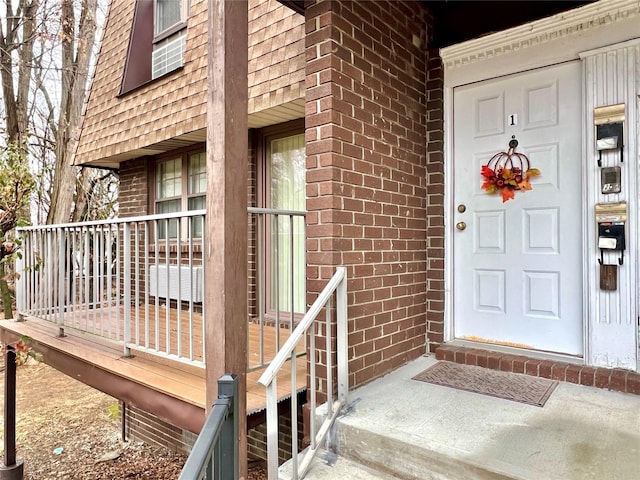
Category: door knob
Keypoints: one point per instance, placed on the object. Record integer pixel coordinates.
(461, 226)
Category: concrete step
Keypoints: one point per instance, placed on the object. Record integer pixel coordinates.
(329, 466)
(403, 428)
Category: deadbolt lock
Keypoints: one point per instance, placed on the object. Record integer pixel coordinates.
(462, 208)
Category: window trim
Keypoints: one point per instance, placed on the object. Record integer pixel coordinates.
(169, 32)
(264, 137)
(183, 154)
(185, 6)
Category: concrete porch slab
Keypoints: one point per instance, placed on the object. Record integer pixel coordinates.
(416, 430)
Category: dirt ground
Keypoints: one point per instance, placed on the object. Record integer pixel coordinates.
(67, 430)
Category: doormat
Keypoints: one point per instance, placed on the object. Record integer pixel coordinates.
(510, 386)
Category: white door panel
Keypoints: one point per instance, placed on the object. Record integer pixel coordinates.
(518, 264)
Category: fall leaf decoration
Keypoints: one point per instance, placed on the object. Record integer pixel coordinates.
(507, 172)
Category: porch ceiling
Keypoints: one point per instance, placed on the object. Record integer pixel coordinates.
(457, 21)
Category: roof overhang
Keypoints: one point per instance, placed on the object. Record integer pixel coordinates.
(271, 116)
(295, 5)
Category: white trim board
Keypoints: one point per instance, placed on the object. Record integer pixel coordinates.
(559, 38)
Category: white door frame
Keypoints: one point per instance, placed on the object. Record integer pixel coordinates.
(538, 44)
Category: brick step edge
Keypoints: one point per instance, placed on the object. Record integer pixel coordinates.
(616, 379)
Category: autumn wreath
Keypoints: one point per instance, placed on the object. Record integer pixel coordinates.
(507, 172)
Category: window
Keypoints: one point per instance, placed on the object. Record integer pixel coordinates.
(157, 41)
(285, 189)
(169, 13)
(169, 30)
(181, 185)
(197, 172)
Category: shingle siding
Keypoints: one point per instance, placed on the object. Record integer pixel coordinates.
(276, 55)
(175, 105)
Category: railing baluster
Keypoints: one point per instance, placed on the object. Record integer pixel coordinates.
(114, 330)
(147, 274)
(71, 276)
(342, 347)
(275, 292)
(191, 285)
(127, 288)
(272, 430)
(49, 279)
(101, 278)
(87, 279)
(167, 316)
(261, 284)
(156, 317)
(95, 252)
(120, 256)
(204, 275)
(312, 380)
(21, 279)
(179, 300)
(294, 393)
(328, 351)
(136, 288)
(292, 306)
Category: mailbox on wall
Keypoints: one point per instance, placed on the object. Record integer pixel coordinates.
(611, 236)
(609, 122)
(611, 219)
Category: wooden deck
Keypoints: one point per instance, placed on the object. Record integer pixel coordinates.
(156, 328)
(174, 391)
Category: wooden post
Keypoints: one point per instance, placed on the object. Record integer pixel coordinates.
(225, 248)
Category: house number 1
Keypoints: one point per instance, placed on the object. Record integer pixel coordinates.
(513, 120)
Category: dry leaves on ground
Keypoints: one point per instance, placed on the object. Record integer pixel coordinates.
(67, 430)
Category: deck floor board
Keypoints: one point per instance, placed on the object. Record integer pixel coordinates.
(177, 379)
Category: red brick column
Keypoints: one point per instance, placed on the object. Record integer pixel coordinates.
(367, 172)
(435, 201)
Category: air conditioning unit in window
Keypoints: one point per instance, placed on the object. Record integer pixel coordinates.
(164, 282)
(168, 57)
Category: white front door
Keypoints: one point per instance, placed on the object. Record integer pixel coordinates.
(518, 272)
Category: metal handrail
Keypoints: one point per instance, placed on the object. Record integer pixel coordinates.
(215, 454)
(337, 285)
(116, 221)
(290, 345)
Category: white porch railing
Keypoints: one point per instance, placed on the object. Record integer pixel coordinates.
(277, 278)
(308, 327)
(138, 281)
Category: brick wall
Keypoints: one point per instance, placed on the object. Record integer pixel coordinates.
(133, 198)
(367, 172)
(257, 439)
(435, 200)
(144, 427)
